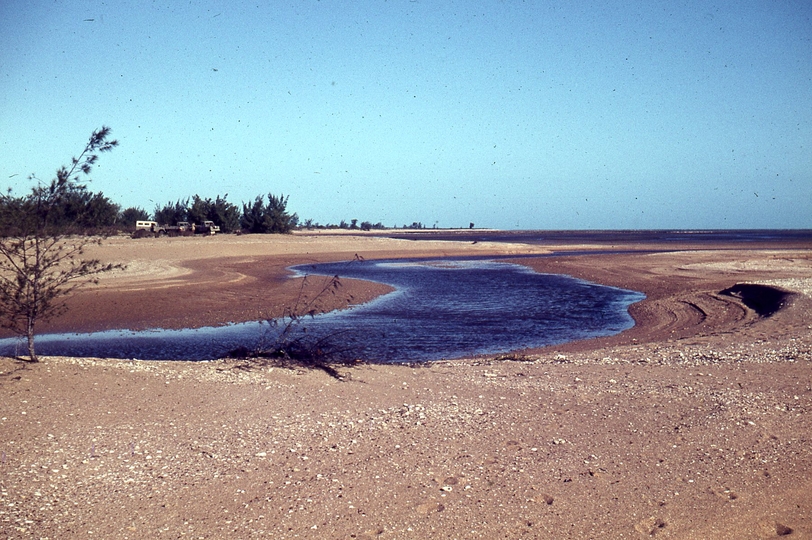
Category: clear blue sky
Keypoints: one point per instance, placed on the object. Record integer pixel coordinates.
(508, 114)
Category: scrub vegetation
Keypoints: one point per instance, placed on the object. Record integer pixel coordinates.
(41, 255)
(287, 342)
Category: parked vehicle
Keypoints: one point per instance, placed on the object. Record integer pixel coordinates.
(145, 228)
(151, 226)
(208, 227)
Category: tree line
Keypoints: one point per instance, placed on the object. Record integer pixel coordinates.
(354, 225)
(87, 212)
(263, 215)
(82, 211)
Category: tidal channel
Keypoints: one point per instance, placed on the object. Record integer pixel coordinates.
(440, 309)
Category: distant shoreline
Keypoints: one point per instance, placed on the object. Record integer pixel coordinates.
(802, 238)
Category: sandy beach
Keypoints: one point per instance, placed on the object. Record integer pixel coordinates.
(693, 424)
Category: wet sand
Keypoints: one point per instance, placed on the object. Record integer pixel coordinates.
(693, 424)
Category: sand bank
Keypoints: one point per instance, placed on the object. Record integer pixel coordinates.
(694, 424)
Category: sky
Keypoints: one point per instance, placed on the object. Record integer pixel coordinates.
(506, 114)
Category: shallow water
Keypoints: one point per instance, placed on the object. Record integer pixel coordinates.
(440, 309)
(704, 237)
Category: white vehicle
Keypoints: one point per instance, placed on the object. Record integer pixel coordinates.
(151, 226)
(144, 228)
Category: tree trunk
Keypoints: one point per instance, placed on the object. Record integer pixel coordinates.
(30, 332)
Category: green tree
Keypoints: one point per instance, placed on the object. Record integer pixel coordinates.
(220, 211)
(172, 213)
(225, 214)
(253, 216)
(270, 217)
(129, 216)
(41, 260)
(99, 212)
(82, 210)
(281, 221)
(199, 210)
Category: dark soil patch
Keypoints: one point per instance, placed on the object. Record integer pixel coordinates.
(762, 299)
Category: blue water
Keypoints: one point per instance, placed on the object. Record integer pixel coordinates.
(440, 309)
(674, 237)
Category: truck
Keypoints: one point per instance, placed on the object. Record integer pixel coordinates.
(182, 227)
(208, 227)
(145, 228)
